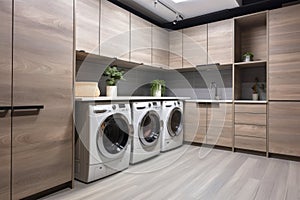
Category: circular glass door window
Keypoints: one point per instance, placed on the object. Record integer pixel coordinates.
(175, 122)
(150, 128)
(114, 132)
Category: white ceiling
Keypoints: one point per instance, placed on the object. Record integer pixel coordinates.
(187, 8)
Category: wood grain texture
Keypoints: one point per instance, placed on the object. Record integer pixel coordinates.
(141, 40)
(250, 118)
(87, 25)
(160, 47)
(43, 75)
(252, 143)
(250, 108)
(251, 130)
(195, 46)
(5, 96)
(114, 31)
(284, 126)
(175, 56)
(220, 42)
(284, 53)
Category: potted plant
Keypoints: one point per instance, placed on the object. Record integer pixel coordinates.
(255, 90)
(248, 56)
(158, 88)
(114, 75)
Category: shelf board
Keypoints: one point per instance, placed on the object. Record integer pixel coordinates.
(258, 63)
(251, 101)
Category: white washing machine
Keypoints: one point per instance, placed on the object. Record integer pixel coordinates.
(147, 127)
(172, 116)
(104, 134)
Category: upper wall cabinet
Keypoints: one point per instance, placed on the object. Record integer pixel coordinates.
(195, 46)
(160, 47)
(5, 96)
(141, 32)
(87, 25)
(284, 53)
(114, 31)
(220, 42)
(175, 56)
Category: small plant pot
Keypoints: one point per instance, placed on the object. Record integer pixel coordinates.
(157, 92)
(248, 58)
(111, 91)
(255, 97)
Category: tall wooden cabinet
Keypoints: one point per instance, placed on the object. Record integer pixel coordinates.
(5, 96)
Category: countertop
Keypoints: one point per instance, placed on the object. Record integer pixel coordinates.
(129, 98)
(208, 101)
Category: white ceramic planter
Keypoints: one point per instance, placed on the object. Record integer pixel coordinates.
(157, 93)
(111, 91)
(254, 97)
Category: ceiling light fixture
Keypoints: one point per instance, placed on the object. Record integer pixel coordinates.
(177, 17)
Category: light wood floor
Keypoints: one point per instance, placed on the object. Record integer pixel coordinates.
(192, 172)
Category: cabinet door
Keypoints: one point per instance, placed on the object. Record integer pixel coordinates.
(160, 47)
(87, 25)
(284, 126)
(194, 122)
(5, 96)
(175, 56)
(195, 46)
(284, 53)
(42, 75)
(220, 42)
(219, 124)
(141, 40)
(114, 31)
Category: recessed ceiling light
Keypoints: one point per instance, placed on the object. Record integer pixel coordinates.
(179, 1)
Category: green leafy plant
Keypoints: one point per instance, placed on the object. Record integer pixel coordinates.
(114, 75)
(248, 54)
(156, 84)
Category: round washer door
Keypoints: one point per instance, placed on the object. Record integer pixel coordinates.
(175, 124)
(149, 129)
(113, 135)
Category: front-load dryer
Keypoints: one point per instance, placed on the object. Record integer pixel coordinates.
(172, 116)
(147, 127)
(104, 134)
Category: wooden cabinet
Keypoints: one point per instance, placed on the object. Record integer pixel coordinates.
(160, 47)
(42, 140)
(284, 126)
(195, 46)
(175, 56)
(220, 42)
(87, 25)
(219, 124)
(250, 127)
(284, 53)
(114, 31)
(140, 47)
(5, 96)
(195, 122)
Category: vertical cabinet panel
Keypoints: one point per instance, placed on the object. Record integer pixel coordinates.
(114, 31)
(195, 46)
(43, 69)
(220, 42)
(5, 96)
(284, 126)
(87, 25)
(141, 36)
(284, 53)
(175, 57)
(160, 47)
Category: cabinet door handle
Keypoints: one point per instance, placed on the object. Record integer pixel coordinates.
(31, 107)
(5, 108)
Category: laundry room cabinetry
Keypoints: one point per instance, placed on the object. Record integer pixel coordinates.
(5, 97)
(114, 31)
(141, 40)
(175, 56)
(220, 42)
(195, 46)
(160, 47)
(87, 25)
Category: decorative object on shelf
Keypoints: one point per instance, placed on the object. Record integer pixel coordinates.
(87, 89)
(114, 76)
(248, 56)
(255, 90)
(262, 92)
(158, 88)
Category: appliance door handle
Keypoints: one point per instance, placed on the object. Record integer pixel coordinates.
(30, 107)
(6, 108)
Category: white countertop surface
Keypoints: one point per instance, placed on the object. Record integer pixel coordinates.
(208, 101)
(128, 98)
(249, 101)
